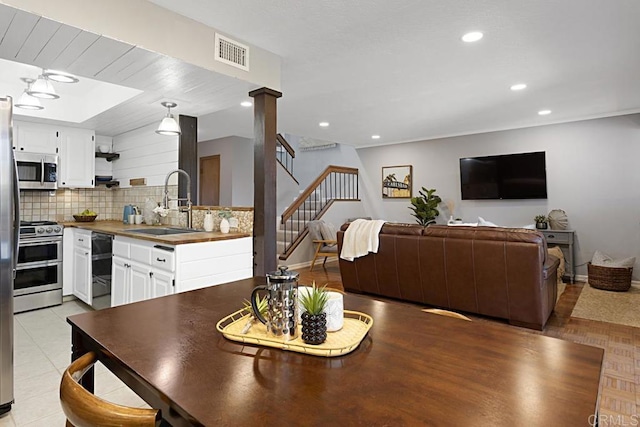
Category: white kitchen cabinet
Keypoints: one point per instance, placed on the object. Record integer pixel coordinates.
(143, 269)
(120, 279)
(82, 265)
(162, 283)
(35, 138)
(140, 285)
(77, 158)
(136, 276)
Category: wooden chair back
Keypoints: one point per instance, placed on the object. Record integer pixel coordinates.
(84, 409)
(446, 313)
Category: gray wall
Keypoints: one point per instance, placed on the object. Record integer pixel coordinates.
(236, 168)
(592, 174)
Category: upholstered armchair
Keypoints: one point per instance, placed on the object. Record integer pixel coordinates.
(324, 237)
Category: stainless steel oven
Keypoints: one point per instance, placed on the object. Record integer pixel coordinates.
(37, 171)
(38, 281)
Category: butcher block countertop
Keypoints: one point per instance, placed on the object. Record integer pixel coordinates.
(117, 228)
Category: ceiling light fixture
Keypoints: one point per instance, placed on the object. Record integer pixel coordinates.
(518, 86)
(544, 112)
(323, 124)
(375, 136)
(60, 76)
(473, 36)
(246, 103)
(42, 88)
(169, 125)
(26, 101)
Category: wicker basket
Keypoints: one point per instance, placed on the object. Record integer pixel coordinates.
(609, 278)
(85, 218)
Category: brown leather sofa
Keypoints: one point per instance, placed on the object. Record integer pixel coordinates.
(497, 272)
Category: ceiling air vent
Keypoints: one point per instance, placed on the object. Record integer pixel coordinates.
(232, 53)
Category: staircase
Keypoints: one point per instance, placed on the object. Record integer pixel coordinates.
(335, 183)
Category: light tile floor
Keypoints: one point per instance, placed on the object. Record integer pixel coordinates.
(42, 352)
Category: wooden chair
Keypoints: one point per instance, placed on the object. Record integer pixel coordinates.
(325, 247)
(84, 409)
(446, 313)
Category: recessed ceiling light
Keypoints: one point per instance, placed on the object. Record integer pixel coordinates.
(473, 36)
(323, 124)
(544, 112)
(519, 86)
(246, 103)
(375, 136)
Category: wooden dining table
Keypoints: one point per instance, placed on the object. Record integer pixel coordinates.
(412, 368)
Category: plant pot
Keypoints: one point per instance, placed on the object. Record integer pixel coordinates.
(541, 225)
(314, 328)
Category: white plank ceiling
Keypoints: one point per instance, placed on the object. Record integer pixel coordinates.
(38, 41)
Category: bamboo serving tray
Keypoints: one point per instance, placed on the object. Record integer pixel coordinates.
(347, 339)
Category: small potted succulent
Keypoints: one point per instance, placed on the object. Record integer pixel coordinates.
(314, 317)
(541, 222)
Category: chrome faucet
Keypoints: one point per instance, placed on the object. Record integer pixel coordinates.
(186, 208)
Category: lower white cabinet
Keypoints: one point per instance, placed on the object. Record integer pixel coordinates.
(143, 269)
(135, 276)
(81, 272)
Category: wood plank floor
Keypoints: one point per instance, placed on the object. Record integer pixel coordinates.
(620, 385)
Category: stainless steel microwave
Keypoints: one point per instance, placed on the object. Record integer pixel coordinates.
(37, 171)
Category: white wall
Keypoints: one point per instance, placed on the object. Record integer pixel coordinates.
(236, 168)
(145, 154)
(592, 174)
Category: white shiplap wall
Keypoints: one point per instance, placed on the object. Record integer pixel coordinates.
(145, 154)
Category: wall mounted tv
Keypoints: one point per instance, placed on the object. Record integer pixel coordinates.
(511, 176)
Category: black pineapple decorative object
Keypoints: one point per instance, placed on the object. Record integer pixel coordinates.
(314, 318)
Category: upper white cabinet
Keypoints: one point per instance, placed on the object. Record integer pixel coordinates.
(77, 162)
(35, 138)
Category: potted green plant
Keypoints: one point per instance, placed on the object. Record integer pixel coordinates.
(541, 222)
(314, 317)
(425, 206)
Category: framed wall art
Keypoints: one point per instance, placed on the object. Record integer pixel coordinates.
(396, 182)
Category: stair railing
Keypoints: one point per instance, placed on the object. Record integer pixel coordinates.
(285, 155)
(336, 183)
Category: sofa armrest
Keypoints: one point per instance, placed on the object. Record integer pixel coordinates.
(550, 265)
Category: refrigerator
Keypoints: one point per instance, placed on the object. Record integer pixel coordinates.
(9, 229)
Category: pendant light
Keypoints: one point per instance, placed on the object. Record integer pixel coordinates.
(60, 76)
(42, 88)
(26, 101)
(169, 125)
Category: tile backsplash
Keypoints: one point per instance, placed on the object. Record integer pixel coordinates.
(60, 205)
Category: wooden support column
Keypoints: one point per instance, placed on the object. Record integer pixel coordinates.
(264, 170)
(188, 156)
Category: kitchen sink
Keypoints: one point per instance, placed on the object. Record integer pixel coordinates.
(162, 231)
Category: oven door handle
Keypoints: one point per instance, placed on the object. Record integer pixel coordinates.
(38, 264)
(40, 241)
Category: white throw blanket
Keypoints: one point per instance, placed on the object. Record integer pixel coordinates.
(360, 238)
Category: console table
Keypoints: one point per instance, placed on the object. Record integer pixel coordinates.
(564, 239)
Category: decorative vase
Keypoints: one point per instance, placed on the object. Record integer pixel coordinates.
(541, 225)
(224, 225)
(314, 328)
(208, 222)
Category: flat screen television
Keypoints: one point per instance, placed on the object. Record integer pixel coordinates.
(511, 176)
